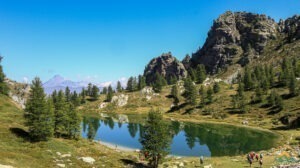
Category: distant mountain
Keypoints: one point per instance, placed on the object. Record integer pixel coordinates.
(60, 83)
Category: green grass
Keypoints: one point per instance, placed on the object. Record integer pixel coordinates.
(16, 150)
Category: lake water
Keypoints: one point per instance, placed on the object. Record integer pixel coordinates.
(189, 139)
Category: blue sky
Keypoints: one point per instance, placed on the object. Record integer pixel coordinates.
(105, 40)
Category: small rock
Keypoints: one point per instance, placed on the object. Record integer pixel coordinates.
(208, 166)
(58, 153)
(181, 164)
(234, 160)
(89, 160)
(5, 166)
(61, 165)
(66, 155)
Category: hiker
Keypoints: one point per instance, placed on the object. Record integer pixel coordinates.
(201, 160)
(261, 156)
(249, 158)
(256, 157)
(260, 162)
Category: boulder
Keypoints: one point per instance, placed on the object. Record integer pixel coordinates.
(120, 100)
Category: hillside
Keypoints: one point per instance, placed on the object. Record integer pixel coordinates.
(17, 151)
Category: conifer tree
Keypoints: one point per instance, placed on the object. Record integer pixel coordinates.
(60, 113)
(192, 74)
(201, 73)
(68, 94)
(89, 89)
(190, 93)
(104, 90)
(216, 87)
(247, 80)
(293, 85)
(73, 122)
(3, 86)
(119, 87)
(175, 94)
(39, 113)
(109, 93)
(156, 139)
(83, 95)
(75, 99)
(209, 95)
(202, 96)
(95, 92)
(142, 82)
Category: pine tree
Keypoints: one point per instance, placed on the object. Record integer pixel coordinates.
(3, 86)
(68, 94)
(109, 93)
(156, 139)
(190, 93)
(83, 95)
(192, 74)
(95, 92)
(202, 96)
(216, 87)
(293, 85)
(89, 89)
(60, 113)
(201, 73)
(272, 98)
(209, 95)
(39, 113)
(119, 87)
(104, 90)
(75, 99)
(73, 123)
(175, 94)
(248, 83)
(130, 84)
(159, 82)
(142, 82)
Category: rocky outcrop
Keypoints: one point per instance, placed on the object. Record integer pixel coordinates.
(291, 28)
(120, 100)
(166, 65)
(237, 37)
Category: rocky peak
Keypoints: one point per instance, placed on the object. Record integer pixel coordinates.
(235, 37)
(166, 65)
(290, 27)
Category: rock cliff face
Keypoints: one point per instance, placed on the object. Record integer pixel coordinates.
(166, 65)
(291, 28)
(235, 38)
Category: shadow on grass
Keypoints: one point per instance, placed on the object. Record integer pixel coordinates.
(281, 128)
(176, 108)
(20, 133)
(134, 164)
(234, 111)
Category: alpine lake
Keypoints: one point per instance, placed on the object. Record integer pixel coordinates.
(188, 139)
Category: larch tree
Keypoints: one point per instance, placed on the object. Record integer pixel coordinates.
(156, 139)
(39, 113)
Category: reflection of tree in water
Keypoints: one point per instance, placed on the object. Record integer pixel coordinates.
(132, 128)
(227, 140)
(190, 134)
(119, 124)
(142, 130)
(175, 128)
(92, 124)
(111, 123)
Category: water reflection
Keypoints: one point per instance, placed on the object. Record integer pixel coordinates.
(188, 139)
